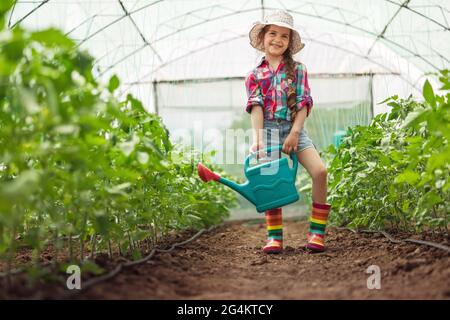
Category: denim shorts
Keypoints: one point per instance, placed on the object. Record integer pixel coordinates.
(277, 130)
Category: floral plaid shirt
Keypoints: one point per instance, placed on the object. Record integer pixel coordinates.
(269, 90)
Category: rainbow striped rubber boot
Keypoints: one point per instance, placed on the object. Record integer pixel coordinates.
(274, 231)
(317, 224)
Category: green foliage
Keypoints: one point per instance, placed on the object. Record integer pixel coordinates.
(395, 172)
(78, 164)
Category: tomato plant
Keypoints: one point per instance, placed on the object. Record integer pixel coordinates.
(81, 168)
(395, 172)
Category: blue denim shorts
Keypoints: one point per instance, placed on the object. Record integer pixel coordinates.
(276, 131)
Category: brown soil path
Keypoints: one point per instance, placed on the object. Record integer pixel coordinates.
(227, 263)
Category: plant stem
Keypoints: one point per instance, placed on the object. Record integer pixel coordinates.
(120, 248)
(55, 244)
(83, 232)
(94, 242)
(81, 249)
(130, 243)
(155, 233)
(70, 247)
(110, 249)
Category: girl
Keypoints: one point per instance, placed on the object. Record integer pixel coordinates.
(279, 101)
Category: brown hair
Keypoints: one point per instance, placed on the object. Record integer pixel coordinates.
(290, 66)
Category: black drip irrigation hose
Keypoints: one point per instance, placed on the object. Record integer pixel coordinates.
(390, 238)
(40, 265)
(11, 273)
(22, 270)
(94, 281)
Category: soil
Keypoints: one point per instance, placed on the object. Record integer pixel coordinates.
(227, 263)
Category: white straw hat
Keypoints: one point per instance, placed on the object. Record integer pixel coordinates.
(282, 19)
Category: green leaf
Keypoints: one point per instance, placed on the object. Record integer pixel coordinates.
(149, 143)
(6, 66)
(101, 222)
(428, 94)
(393, 104)
(119, 189)
(23, 185)
(14, 45)
(113, 84)
(142, 157)
(135, 103)
(437, 160)
(53, 38)
(431, 199)
(128, 147)
(140, 235)
(195, 217)
(29, 101)
(5, 6)
(413, 118)
(407, 176)
(389, 98)
(440, 183)
(445, 87)
(67, 129)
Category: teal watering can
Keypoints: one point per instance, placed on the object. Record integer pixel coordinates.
(269, 185)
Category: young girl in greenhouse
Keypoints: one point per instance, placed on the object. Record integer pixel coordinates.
(279, 101)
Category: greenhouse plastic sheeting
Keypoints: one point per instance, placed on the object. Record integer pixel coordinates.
(385, 47)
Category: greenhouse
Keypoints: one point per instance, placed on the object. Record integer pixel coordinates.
(108, 106)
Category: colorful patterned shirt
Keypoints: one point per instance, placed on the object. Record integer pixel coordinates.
(269, 90)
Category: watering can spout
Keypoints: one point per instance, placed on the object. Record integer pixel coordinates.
(207, 175)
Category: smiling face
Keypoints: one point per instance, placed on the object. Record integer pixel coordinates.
(276, 40)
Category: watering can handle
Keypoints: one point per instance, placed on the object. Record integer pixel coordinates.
(293, 156)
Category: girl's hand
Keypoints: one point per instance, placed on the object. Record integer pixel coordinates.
(291, 143)
(257, 145)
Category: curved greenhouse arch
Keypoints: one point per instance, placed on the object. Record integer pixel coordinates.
(261, 8)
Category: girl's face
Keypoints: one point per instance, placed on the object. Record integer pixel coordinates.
(276, 40)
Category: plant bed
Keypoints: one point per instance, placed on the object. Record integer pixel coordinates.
(227, 263)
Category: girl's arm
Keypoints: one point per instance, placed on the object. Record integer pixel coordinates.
(254, 107)
(257, 118)
(304, 100)
(299, 121)
(304, 105)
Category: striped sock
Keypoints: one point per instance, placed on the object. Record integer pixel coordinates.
(274, 231)
(317, 224)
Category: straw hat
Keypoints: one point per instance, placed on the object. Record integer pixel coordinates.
(281, 19)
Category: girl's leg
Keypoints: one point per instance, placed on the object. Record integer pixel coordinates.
(311, 161)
